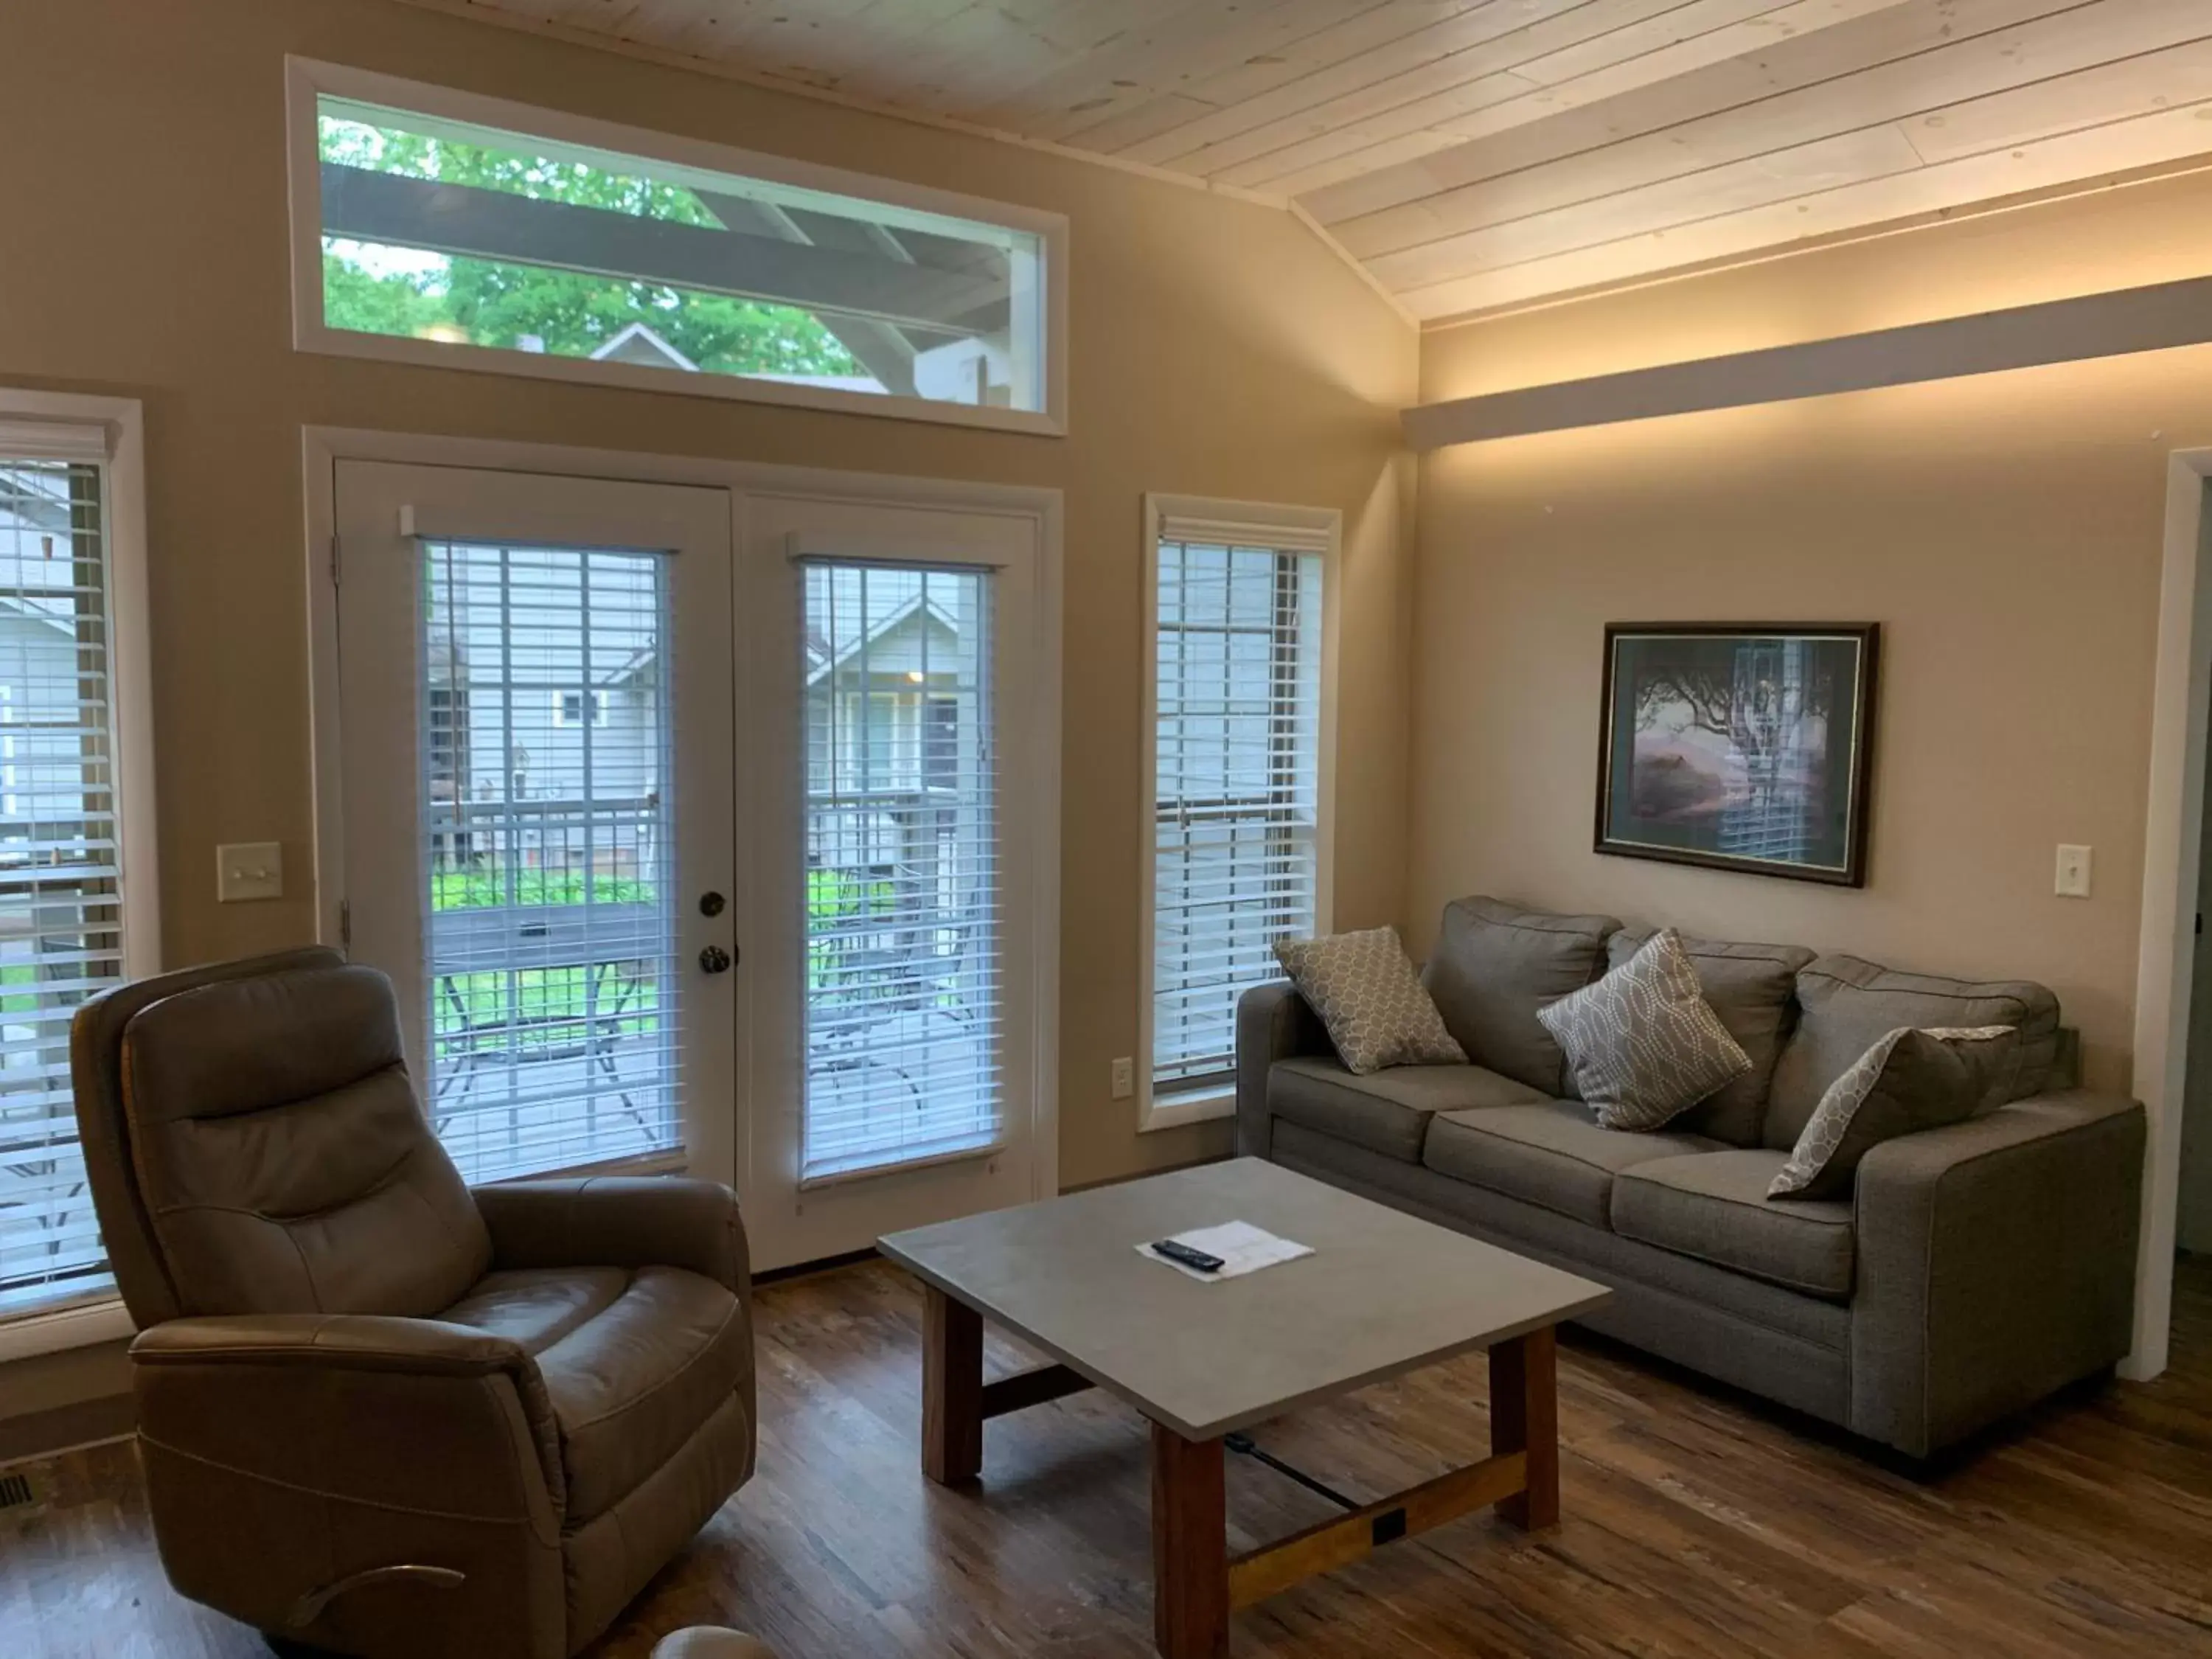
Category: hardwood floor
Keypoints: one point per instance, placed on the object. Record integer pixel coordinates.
(1695, 1523)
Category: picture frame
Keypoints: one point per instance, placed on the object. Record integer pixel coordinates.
(1744, 746)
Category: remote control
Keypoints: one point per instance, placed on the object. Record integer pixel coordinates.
(1195, 1258)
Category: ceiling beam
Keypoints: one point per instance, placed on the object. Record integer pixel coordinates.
(464, 220)
(2113, 324)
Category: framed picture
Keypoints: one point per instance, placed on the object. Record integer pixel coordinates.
(1739, 745)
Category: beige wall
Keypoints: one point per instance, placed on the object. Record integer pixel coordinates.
(2005, 530)
(1217, 349)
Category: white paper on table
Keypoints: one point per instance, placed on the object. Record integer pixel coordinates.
(1242, 1247)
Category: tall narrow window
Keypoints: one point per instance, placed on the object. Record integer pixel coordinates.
(903, 1001)
(61, 837)
(547, 815)
(1235, 810)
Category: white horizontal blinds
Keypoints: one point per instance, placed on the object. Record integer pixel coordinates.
(904, 1004)
(61, 925)
(1237, 725)
(546, 746)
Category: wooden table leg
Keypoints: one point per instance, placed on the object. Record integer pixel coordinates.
(952, 1388)
(1190, 1548)
(1524, 1417)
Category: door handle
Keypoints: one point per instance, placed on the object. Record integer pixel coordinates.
(716, 960)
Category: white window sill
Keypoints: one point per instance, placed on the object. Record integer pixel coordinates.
(62, 1328)
(1199, 1106)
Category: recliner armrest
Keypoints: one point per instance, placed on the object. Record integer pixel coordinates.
(1273, 1023)
(366, 1406)
(1997, 1262)
(619, 1221)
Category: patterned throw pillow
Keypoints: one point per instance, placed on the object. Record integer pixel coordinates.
(1364, 987)
(1911, 1080)
(1643, 1043)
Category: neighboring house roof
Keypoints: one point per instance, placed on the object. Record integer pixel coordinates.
(61, 621)
(820, 663)
(639, 344)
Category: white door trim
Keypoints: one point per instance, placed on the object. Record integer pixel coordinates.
(2173, 834)
(323, 447)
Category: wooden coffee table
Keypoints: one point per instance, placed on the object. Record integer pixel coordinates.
(1383, 1294)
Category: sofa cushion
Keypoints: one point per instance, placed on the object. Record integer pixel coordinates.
(1754, 989)
(1553, 1154)
(1846, 1005)
(1908, 1081)
(1494, 965)
(1643, 1045)
(1364, 987)
(1714, 1206)
(635, 1381)
(1388, 1111)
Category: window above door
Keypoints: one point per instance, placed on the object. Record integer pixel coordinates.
(435, 227)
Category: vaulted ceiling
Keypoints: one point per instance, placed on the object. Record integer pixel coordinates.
(1481, 155)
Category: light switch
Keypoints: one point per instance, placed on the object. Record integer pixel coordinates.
(249, 870)
(1125, 1078)
(2073, 872)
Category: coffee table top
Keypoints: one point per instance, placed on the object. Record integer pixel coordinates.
(1381, 1294)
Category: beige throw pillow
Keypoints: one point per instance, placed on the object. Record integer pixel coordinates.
(1643, 1044)
(1364, 987)
(1911, 1080)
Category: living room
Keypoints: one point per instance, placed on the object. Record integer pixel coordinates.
(707, 550)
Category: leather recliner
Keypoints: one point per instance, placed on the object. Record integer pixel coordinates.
(382, 1412)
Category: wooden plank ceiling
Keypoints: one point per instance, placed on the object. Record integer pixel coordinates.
(1477, 155)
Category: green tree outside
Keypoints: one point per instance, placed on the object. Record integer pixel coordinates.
(491, 303)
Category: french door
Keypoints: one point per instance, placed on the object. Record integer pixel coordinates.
(535, 688)
(896, 1071)
(699, 828)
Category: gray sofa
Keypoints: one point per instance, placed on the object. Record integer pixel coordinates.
(1974, 1269)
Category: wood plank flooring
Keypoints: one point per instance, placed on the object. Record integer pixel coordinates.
(1696, 1523)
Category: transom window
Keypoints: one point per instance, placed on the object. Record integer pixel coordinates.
(1235, 804)
(441, 226)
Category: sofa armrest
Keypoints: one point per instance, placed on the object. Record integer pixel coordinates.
(1997, 1262)
(1273, 1023)
(619, 1221)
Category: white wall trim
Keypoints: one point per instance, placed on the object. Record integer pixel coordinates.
(113, 428)
(324, 448)
(1202, 1106)
(2173, 835)
(78, 1325)
(307, 78)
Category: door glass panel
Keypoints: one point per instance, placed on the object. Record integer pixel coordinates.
(546, 753)
(903, 998)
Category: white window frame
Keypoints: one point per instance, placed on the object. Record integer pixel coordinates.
(1248, 524)
(307, 79)
(111, 430)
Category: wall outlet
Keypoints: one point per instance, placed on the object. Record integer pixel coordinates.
(2073, 872)
(249, 870)
(1125, 1078)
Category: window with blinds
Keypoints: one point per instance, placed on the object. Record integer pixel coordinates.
(1237, 716)
(61, 922)
(546, 759)
(903, 1003)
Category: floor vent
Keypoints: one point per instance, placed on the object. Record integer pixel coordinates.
(16, 1492)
